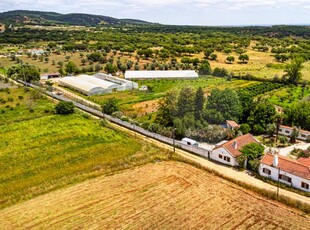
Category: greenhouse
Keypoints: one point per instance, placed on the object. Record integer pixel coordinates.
(81, 86)
(97, 84)
(161, 74)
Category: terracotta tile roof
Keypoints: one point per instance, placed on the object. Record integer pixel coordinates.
(304, 161)
(232, 123)
(291, 128)
(288, 165)
(241, 141)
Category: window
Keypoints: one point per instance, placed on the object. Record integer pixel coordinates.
(304, 185)
(285, 178)
(303, 135)
(220, 156)
(280, 130)
(286, 131)
(227, 159)
(266, 171)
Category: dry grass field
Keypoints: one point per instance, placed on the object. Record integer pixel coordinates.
(256, 66)
(166, 195)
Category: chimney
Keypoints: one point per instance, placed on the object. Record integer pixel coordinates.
(235, 145)
(275, 160)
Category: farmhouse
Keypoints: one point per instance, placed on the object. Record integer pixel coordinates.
(161, 74)
(287, 131)
(227, 152)
(295, 173)
(232, 125)
(97, 84)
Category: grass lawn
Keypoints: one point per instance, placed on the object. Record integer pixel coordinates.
(40, 152)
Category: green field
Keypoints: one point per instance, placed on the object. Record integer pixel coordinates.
(41, 151)
(128, 99)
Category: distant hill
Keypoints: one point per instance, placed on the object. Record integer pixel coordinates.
(25, 17)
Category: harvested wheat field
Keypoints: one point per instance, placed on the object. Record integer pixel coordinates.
(166, 195)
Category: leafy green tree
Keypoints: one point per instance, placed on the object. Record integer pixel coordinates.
(109, 68)
(64, 107)
(220, 72)
(271, 129)
(97, 67)
(298, 115)
(244, 58)
(62, 72)
(26, 72)
(213, 56)
(95, 57)
(224, 104)
(294, 135)
(261, 115)
(245, 128)
(199, 103)
(208, 52)
(204, 68)
(281, 57)
(186, 101)
(83, 61)
(293, 71)
(71, 67)
(253, 152)
(230, 59)
(145, 52)
(110, 106)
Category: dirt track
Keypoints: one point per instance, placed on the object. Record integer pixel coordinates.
(167, 195)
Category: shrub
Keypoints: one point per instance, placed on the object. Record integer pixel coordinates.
(282, 139)
(64, 107)
(20, 97)
(110, 106)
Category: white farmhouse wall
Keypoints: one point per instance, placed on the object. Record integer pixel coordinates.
(296, 181)
(287, 132)
(222, 151)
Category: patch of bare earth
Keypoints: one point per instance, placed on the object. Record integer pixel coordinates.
(147, 107)
(166, 195)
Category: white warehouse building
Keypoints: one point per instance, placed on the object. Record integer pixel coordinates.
(160, 74)
(97, 84)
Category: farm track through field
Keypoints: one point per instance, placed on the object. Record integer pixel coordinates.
(166, 195)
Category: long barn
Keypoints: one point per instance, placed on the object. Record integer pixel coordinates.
(161, 74)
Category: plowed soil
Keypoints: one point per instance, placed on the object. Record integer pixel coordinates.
(167, 195)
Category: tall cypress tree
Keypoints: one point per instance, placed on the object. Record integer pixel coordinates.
(199, 102)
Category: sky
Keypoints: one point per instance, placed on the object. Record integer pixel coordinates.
(179, 12)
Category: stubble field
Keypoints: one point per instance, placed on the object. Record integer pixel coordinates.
(167, 195)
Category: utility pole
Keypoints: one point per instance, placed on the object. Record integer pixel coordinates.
(278, 185)
(173, 137)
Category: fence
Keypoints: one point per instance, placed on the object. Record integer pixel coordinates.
(80, 104)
